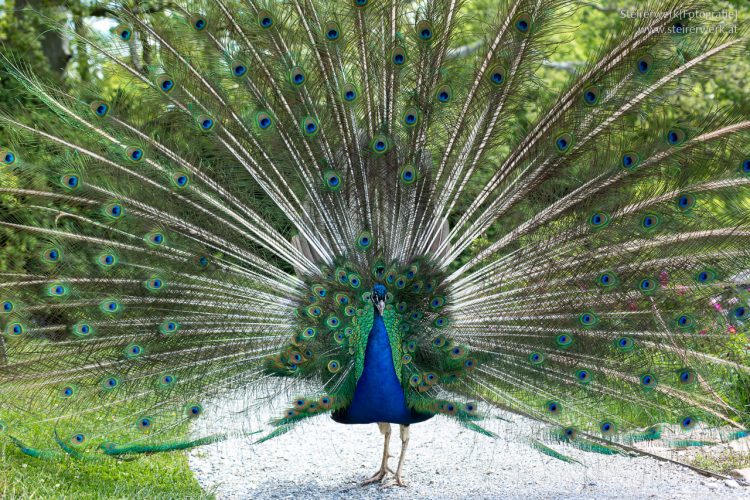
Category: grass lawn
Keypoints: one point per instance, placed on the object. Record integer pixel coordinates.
(157, 476)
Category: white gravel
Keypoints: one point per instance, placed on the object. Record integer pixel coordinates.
(325, 460)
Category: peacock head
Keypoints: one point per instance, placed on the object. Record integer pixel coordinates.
(378, 297)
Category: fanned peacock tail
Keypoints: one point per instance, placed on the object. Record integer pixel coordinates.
(219, 223)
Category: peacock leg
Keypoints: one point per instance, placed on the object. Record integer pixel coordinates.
(404, 444)
(385, 430)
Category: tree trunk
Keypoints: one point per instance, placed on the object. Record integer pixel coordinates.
(54, 46)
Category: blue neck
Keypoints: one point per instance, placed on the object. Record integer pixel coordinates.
(379, 396)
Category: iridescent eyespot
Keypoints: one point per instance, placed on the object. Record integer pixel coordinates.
(410, 117)
(630, 160)
(439, 341)
(437, 302)
(625, 343)
(78, 439)
(553, 407)
(686, 202)
(649, 222)
(688, 423)
(408, 174)
(57, 290)
(332, 31)
(398, 56)
(684, 322)
(15, 329)
(68, 391)
(645, 64)
(583, 376)
(745, 167)
(265, 19)
(440, 322)
(154, 284)
(424, 31)
(360, 3)
(134, 154)
(591, 95)
(169, 327)
(564, 340)
(70, 181)
(496, 75)
(740, 312)
(676, 137)
(686, 376)
(705, 276)
(414, 380)
(310, 126)
(52, 255)
(314, 311)
(536, 358)
(648, 381)
(326, 402)
(607, 279)
(198, 22)
(457, 352)
(588, 319)
(332, 180)
(82, 329)
(354, 280)
(647, 285)
(133, 351)
(7, 307)
(364, 240)
(607, 428)
(297, 76)
(599, 220)
(564, 142)
(522, 23)
(570, 433)
(193, 410)
(309, 332)
(110, 306)
(154, 238)
(106, 260)
(379, 144)
(165, 83)
(180, 180)
(123, 32)
(109, 383)
(167, 380)
(444, 94)
(350, 93)
(206, 123)
(264, 120)
(9, 158)
(145, 423)
(100, 108)
(334, 366)
(239, 69)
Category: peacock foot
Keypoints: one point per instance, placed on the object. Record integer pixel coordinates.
(379, 476)
(400, 481)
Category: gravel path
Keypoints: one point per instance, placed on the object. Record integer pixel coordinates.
(325, 460)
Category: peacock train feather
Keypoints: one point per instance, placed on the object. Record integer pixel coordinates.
(291, 195)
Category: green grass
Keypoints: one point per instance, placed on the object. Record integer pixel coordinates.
(157, 476)
(723, 462)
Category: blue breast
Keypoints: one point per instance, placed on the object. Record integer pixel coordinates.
(378, 396)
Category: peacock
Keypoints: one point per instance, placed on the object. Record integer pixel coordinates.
(356, 207)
